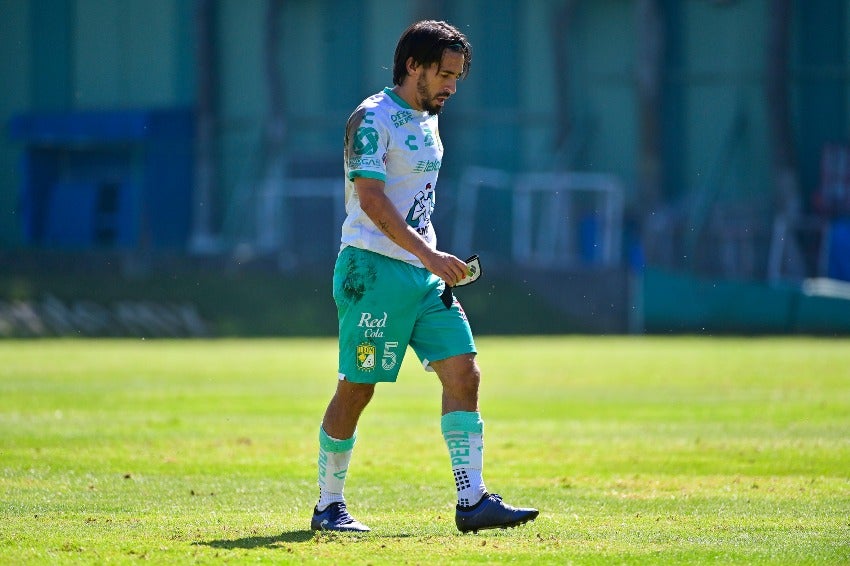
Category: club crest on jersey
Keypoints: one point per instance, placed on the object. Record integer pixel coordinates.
(366, 356)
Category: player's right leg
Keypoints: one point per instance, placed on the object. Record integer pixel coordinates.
(374, 299)
(337, 436)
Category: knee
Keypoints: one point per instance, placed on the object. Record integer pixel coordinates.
(472, 379)
(465, 383)
(355, 394)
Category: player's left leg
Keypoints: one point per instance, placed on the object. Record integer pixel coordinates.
(463, 431)
(442, 339)
(461, 424)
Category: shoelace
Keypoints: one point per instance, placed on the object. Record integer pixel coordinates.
(342, 516)
(498, 498)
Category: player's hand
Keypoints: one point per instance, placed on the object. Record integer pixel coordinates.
(447, 267)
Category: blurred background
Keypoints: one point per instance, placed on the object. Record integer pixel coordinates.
(174, 167)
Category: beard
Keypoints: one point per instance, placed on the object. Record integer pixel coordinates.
(427, 101)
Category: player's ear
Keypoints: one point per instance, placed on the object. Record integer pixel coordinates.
(411, 65)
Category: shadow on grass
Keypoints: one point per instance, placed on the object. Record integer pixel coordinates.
(290, 537)
(258, 542)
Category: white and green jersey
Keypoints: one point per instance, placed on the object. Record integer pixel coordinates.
(386, 139)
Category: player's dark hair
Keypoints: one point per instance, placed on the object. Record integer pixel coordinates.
(425, 41)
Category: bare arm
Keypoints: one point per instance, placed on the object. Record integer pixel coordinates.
(381, 211)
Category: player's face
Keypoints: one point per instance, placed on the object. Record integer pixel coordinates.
(438, 82)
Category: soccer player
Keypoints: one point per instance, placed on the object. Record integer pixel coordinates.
(389, 278)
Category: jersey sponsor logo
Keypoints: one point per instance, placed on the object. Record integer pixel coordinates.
(409, 143)
(364, 162)
(366, 356)
(419, 215)
(365, 141)
(401, 118)
(372, 324)
(427, 166)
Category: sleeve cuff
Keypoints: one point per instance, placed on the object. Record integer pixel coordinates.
(367, 174)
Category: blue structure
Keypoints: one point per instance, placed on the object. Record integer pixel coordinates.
(108, 179)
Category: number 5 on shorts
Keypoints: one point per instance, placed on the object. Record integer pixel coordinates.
(388, 359)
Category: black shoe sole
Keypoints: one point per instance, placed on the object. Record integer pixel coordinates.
(522, 521)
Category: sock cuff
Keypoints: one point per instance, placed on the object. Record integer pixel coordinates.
(463, 421)
(331, 444)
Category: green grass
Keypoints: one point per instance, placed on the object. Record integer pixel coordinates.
(636, 450)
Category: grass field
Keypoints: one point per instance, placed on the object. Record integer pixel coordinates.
(636, 450)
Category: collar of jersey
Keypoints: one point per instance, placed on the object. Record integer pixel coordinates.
(399, 100)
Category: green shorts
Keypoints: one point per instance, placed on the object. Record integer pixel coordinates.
(384, 305)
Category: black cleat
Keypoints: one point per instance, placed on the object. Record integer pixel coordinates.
(492, 513)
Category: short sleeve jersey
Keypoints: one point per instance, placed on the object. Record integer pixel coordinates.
(388, 140)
